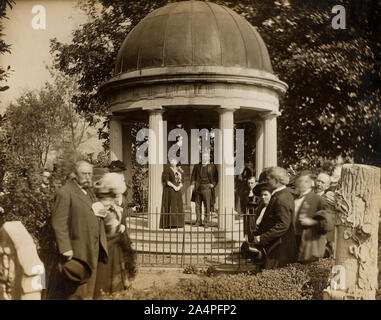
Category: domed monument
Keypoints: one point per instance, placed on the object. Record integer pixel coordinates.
(200, 65)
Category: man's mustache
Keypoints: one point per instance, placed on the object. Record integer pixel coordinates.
(86, 182)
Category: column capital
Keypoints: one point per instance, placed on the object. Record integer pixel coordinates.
(270, 115)
(154, 109)
(225, 108)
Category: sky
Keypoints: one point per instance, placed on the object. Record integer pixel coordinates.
(30, 46)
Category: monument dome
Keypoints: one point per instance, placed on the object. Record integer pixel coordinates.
(193, 33)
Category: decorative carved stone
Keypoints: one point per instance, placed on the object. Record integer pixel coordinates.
(357, 206)
(21, 270)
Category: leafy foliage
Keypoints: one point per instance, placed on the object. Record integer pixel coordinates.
(4, 47)
(139, 186)
(74, 132)
(25, 200)
(293, 282)
(34, 123)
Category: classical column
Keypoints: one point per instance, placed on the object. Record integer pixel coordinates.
(127, 157)
(259, 148)
(354, 274)
(116, 139)
(269, 139)
(155, 167)
(226, 168)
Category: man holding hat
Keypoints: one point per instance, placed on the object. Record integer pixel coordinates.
(80, 236)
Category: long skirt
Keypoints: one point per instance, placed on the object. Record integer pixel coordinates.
(172, 213)
(111, 276)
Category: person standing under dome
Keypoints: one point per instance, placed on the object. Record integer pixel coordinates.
(172, 213)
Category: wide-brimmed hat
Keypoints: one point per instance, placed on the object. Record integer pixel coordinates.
(259, 187)
(76, 270)
(117, 166)
(101, 190)
(262, 183)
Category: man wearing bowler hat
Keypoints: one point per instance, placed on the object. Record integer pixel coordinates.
(80, 236)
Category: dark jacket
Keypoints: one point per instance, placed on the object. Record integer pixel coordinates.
(276, 231)
(313, 239)
(196, 179)
(243, 197)
(76, 227)
(312, 203)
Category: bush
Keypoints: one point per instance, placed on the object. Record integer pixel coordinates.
(24, 200)
(294, 282)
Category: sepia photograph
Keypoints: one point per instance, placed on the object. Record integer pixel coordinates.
(190, 155)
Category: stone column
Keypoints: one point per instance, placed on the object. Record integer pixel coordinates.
(155, 168)
(259, 148)
(116, 139)
(354, 275)
(226, 169)
(269, 139)
(127, 157)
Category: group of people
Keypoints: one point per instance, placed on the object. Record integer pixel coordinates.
(89, 221)
(283, 223)
(204, 179)
(286, 222)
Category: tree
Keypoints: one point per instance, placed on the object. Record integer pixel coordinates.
(75, 125)
(332, 105)
(34, 123)
(4, 47)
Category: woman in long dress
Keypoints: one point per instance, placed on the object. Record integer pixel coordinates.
(172, 213)
(114, 275)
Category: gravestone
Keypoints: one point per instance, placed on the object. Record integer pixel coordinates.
(357, 203)
(21, 270)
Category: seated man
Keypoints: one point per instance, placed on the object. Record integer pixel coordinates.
(276, 231)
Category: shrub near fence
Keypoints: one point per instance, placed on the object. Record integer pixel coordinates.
(294, 282)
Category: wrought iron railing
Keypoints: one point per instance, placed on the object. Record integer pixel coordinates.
(188, 244)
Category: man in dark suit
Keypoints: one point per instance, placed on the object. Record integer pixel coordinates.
(276, 231)
(247, 197)
(79, 233)
(204, 179)
(323, 189)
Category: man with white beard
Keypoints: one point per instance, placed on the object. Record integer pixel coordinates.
(322, 183)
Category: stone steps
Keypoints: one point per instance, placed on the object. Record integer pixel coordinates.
(213, 244)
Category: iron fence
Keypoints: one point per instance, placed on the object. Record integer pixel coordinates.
(180, 245)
